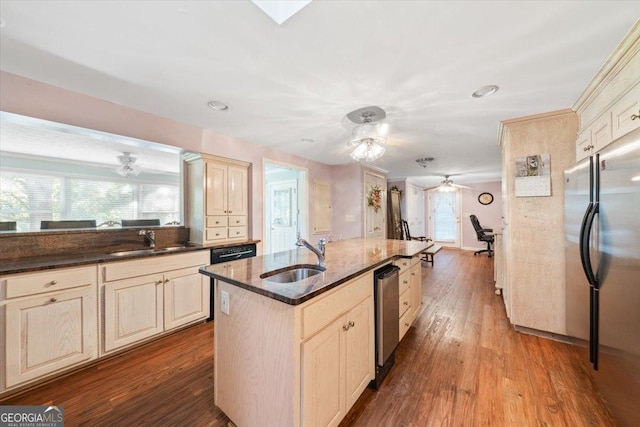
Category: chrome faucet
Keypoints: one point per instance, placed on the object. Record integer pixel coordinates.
(319, 253)
(149, 234)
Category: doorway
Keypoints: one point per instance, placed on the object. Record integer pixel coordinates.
(444, 217)
(284, 205)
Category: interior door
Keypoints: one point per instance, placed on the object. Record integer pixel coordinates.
(444, 217)
(375, 216)
(283, 214)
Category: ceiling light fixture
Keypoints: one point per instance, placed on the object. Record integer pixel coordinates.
(368, 138)
(485, 91)
(424, 161)
(217, 105)
(127, 166)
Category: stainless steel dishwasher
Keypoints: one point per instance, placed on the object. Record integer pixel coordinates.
(387, 300)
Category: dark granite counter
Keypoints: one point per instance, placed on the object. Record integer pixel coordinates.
(93, 255)
(344, 260)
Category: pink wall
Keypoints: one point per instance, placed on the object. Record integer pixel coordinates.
(31, 98)
(347, 199)
(490, 216)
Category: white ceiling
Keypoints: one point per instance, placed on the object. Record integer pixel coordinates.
(420, 61)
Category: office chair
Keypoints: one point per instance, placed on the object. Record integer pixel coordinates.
(140, 222)
(50, 225)
(7, 226)
(484, 235)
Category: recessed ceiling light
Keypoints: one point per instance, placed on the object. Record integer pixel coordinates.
(485, 91)
(306, 140)
(217, 105)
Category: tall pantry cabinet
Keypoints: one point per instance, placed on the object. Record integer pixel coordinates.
(217, 205)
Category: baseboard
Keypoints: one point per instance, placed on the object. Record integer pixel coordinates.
(544, 334)
(471, 248)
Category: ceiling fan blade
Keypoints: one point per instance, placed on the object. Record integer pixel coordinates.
(462, 186)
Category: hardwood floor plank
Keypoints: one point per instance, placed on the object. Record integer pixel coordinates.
(461, 364)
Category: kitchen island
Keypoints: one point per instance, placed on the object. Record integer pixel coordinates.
(301, 353)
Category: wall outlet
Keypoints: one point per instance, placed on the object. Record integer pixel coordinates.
(224, 302)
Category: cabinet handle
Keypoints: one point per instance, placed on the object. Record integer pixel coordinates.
(230, 211)
(405, 282)
(635, 116)
(53, 300)
(166, 280)
(352, 323)
(159, 282)
(346, 327)
(53, 282)
(413, 274)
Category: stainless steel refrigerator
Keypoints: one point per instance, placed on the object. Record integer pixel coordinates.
(602, 239)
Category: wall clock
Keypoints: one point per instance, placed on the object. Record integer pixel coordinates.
(485, 198)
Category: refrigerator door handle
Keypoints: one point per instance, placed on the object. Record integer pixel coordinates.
(586, 247)
(584, 242)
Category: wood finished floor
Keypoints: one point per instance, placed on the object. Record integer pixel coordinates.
(461, 364)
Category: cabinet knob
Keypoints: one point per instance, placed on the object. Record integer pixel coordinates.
(230, 211)
(352, 323)
(406, 303)
(413, 274)
(237, 232)
(635, 116)
(407, 325)
(225, 211)
(346, 327)
(53, 300)
(237, 222)
(405, 282)
(53, 282)
(159, 282)
(166, 280)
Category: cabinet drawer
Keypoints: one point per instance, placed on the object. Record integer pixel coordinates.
(405, 323)
(153, 265)
(237, 220)
(403, 263)
(405, 302)
(237, 232)
(319, 313)
(48, 281)
(216, 233)
(405, 280)
(217, 221)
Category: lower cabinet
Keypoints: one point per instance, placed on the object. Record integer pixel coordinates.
(410, 292)
(302, 365)
(143, 306)
(49, 322)
(336, 367)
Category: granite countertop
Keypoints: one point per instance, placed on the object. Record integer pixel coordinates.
(23, 265)
(344, 260)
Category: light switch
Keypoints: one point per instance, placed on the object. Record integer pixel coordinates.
(350, 218)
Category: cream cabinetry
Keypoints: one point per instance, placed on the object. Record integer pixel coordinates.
(49, 323)
(217, 199)
(336, 367)
(144, 298)
(610, 106)
(410, 292)
(308, 364)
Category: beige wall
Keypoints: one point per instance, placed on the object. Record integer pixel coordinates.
(534, 236)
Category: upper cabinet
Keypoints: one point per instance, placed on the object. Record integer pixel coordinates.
(610, 106)
(217, 199)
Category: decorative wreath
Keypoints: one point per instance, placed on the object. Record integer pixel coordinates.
(374, 198)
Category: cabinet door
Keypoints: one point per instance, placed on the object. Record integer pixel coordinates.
(216, 189)
(186, 297)
(237, 191)
(359, 350)
(323, 364)
(133, 310)
(416, 290)
(49, 332)
(623, 110)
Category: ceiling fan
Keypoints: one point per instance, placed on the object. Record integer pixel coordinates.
(448, 185)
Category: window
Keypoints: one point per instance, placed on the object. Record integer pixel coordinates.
(51, 171)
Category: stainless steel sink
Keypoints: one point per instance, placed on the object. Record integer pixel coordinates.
(295, 273)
